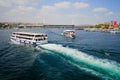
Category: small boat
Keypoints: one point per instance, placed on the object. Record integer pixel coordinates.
(114, 31)
(69, 33)
(29, 38)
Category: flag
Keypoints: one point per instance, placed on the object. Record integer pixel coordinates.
(115, 23)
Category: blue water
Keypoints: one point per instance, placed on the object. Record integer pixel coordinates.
(90, 56)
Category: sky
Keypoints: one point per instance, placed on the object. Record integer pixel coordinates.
(77, 12)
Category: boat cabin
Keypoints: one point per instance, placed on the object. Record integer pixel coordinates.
(33, 38)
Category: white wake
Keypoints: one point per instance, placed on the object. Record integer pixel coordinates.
(112, 68)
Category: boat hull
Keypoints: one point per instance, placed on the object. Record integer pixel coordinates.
(70, 36)
(19, 41)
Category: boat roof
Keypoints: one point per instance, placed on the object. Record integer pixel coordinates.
(68, 30)
(30, 33)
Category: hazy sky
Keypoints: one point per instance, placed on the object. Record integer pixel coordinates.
(77, 12)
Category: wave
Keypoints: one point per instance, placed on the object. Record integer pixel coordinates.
(107, 67)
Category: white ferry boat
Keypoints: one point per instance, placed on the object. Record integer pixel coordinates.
(29, 38)
(69, 33)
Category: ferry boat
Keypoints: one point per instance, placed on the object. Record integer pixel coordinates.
(69, 33)
(29, 38)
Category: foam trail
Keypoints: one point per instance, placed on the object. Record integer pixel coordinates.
(93, 72)
(110, 67)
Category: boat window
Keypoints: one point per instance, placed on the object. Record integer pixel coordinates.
(40, 39)
(25, 38)
(24, 34)
(40, 35)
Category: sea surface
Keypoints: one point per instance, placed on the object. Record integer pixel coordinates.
(90, 56)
